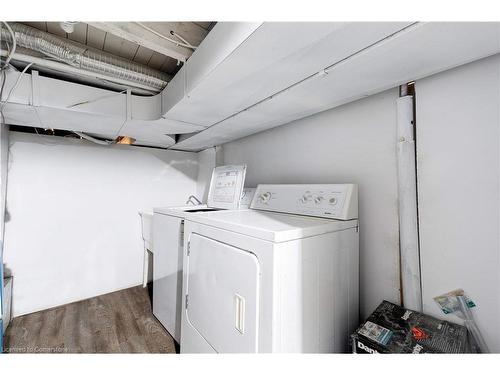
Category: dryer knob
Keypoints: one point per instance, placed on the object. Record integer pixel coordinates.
(318, 200)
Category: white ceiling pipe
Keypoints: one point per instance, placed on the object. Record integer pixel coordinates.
(58, 66)
(84, 57)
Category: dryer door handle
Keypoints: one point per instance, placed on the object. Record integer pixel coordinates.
(239, 313)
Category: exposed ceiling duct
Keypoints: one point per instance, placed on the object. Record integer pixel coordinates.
(86, 58)
(62, 70)
(249, 77)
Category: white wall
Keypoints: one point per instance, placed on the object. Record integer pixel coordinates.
(458, 122)
(74, 230)
(352, 143)
(206, 164)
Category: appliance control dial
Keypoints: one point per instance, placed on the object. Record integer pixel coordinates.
(318, 199)
(333, 201)
(307, 197)
(264, 198)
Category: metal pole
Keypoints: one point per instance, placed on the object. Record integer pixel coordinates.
(407, 198)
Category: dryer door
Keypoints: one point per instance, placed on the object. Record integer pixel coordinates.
(223, 295)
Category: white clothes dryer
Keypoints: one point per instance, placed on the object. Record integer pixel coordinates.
(280, 277)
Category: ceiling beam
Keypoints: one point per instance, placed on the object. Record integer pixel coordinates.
(135, 33)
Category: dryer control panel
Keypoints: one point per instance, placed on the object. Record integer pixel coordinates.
(333, 201)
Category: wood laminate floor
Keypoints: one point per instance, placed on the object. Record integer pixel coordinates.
(119, 322)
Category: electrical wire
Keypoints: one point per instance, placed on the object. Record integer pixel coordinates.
(96, 99)
(172, 32)
(4, 75)
(14, 45)
(94, 140)
(183, 42)
(14, 87)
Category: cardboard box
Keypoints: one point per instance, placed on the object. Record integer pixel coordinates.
(394, 329)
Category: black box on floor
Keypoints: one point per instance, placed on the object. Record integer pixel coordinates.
(394, 329)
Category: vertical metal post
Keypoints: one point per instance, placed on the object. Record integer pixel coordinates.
(1, 256)
(1, 294)
(407, 199)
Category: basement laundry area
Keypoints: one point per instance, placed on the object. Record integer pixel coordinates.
(191, 187)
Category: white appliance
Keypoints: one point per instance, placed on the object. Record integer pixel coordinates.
(225, 192)
(147, 237)
(280, 277)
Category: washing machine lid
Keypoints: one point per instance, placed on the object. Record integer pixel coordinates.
(182, 211)
(226, 186)
(226, 192)
(271, 226)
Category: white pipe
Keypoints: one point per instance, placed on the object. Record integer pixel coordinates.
(407, 197)
(54, 65)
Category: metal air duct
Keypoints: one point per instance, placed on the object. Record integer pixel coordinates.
(84, 57)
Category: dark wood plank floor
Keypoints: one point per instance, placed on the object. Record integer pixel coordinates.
(119, 322)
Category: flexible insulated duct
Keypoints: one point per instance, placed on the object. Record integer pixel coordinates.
(84, 57)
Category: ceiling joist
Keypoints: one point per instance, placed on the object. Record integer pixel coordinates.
(137, 33)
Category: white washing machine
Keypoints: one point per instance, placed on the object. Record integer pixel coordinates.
(280, 277)
(168, 239)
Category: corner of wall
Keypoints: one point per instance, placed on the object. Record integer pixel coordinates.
(207, 160)
(219, 156)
